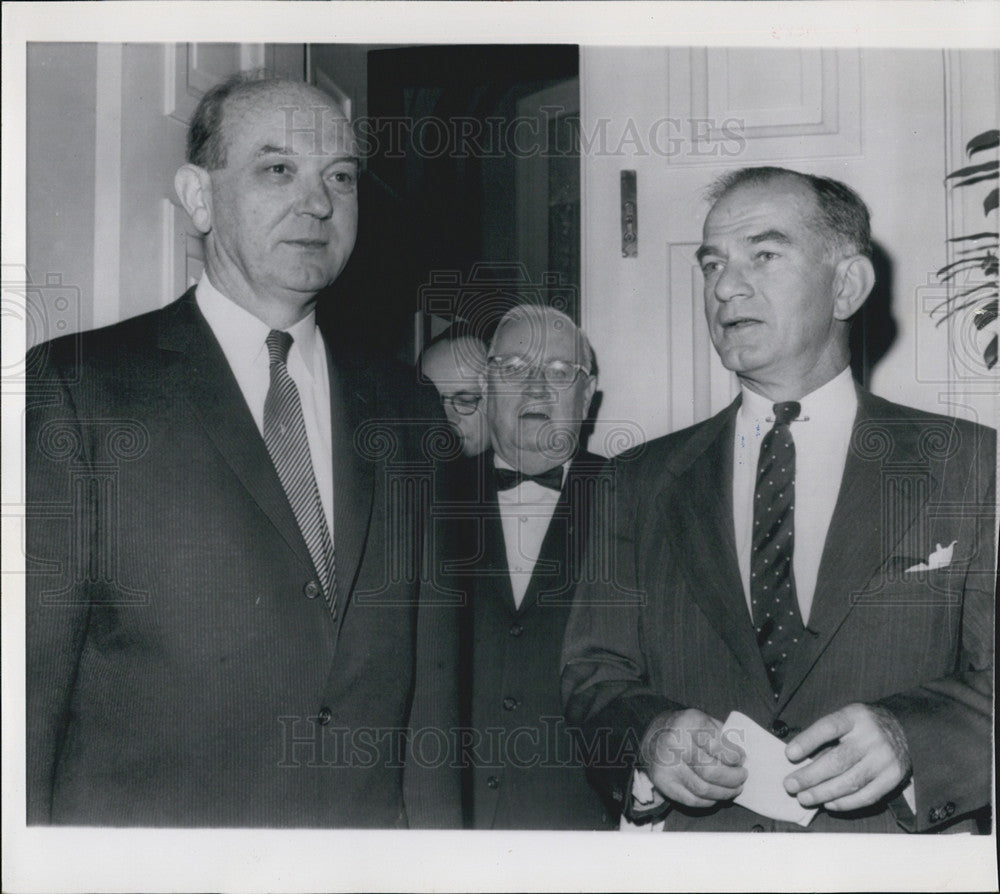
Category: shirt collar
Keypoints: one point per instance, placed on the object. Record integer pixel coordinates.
(836, 400)
(241, 334)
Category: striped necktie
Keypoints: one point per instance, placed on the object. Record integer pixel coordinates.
(774, 604)
(285, 437)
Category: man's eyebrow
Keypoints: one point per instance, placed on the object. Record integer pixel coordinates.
(705, 250)
(770, 236)
(268, 149)
(353, 159)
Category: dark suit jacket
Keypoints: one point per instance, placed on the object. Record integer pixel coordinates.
(522, 768)
(669, 626)
(180, 668)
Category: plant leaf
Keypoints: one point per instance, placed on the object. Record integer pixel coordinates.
(990, 202)
(986, 140)
(984, 250)
(978, 179)
(951, 308)
(990, 354)
(972, 291)
(973, 236)
(985, 315)
(974, 169)
(954, 267)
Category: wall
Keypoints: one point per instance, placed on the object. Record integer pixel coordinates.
(61, 124)
(106, 132)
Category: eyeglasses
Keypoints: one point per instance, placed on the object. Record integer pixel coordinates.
(462, 402)
(557, 373)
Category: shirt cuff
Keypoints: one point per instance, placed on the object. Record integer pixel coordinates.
(643, 802)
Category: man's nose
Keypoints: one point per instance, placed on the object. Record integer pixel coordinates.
(732, 283)
(316, 198)
(535, 382)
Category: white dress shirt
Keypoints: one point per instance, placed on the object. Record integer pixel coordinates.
(822, 436)
(242, 337)
(525, 513)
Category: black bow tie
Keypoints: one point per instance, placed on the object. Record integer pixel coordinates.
(508, 478)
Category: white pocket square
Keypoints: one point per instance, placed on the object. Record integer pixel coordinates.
(940, 558)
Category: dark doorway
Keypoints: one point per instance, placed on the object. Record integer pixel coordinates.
(471, 196)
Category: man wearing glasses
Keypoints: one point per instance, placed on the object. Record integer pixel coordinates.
(455, 362)
(528, 519)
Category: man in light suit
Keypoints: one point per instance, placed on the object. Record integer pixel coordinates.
(814, 557)
(526, 521)
(219, 625)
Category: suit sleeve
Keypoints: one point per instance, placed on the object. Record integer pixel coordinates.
(56, 609)
(948, 721)
(605, 685)
(432, 776)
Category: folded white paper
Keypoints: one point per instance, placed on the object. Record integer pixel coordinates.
(767, 767)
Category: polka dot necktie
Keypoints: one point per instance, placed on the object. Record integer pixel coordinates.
(286, 440)
(774, 605)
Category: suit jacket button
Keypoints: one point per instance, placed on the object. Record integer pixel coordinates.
(756, 827)
(516, 630)
(933, 815)
(779, 728)
(949, 809)
(509, 704)
(311, 589)
(324, 716)
(493, 782)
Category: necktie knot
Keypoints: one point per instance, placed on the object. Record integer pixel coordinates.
(278, 345)
(509, 478)
(786, 412)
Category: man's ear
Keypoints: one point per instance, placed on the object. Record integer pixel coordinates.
(193, 185)
(853, 281)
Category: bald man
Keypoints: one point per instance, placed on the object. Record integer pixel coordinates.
(455, 363)
(523, 525)
(213, 638)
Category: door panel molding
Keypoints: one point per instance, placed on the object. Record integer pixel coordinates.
(717, 92)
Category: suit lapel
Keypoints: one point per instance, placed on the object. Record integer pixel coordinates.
(869, 521)
(699, 529)
(198, 370)
(497, 583)
(353, 476)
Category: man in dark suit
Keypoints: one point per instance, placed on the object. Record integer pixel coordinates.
(814, 557)
(525, 520)
(219, 624)
(454, 362)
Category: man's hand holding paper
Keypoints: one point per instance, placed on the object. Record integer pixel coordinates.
(690, 761)
(867, 759)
